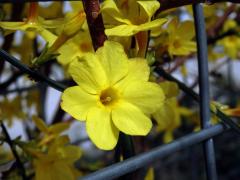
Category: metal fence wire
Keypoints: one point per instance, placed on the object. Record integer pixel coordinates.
(204, 136)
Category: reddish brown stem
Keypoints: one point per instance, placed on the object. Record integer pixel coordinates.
(95, 22)
(212, 31)
(33, 11)
(169, 4)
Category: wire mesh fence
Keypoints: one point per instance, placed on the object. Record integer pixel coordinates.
(204, 136)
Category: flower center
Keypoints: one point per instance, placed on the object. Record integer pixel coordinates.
(109, 96)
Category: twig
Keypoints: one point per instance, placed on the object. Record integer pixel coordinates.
(214, 30)
(14, 151)
(170, 4)
(9, 81)
(212, 40)
(32, 73)
(227, 120)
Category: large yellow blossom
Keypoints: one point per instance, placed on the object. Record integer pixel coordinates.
(113, 94)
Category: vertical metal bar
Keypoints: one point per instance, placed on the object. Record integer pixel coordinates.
(209, 154)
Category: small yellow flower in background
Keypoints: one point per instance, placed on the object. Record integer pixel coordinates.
(25, 49)
(213, 55)
(65, 43)
(177, 38)
(113, 94)
(125, 18)
(12, 109)
(168, 117)
(50, 133)
(57, 162)
(75, 47)
(231, 44)
(128, 17)
(52, 11)
(33, 24)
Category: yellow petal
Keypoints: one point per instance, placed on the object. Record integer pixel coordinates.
(111, 13)
(42, 171)
(147, 96)
(47, 36)
(71, 153)
(164, 116)
(130, 119)
(88, 72)
(150, 7)
(77, 102)
(138, 71)
(122, 30)
(76, 6)
(40, 124)
(59, 142)
(150, 174)
(185, 111)
(151, 25)
(100, 128)
(14, 25)
(114, 61)
(61, 171)
(186, 26)
(129, 29)
(74, 22)
(59, 127)
(168, 137)
(69, 52)
(170, 89)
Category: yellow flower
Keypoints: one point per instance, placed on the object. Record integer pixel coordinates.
(25, 50)
(50, 133)
(33, 24)
(177, 38)
(231, 46)
(58, 162)
(75, 47)
(113, 94)
(64, 43)
(128, 17)
(54, 10)
(168, 116)
(213, 55)
(12, 109)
